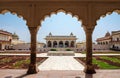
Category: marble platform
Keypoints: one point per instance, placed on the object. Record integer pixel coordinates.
(60, 53)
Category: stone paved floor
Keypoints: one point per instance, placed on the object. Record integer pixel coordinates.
(21, 73)
(71, 69)
(61, 63)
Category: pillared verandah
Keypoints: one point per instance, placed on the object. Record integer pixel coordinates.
(53, 41)
(33, 11)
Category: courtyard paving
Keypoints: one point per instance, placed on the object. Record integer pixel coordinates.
(21, 73)
(59, 67)
(61, 63)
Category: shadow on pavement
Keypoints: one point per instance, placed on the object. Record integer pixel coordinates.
(22, 76)
(88, 75)
(8, 77)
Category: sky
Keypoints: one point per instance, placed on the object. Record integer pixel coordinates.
(59, 24)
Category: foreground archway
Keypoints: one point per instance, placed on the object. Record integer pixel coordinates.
(17, 26)
(34, 11)
(109, 27)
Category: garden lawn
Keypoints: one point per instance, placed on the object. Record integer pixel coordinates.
(113, 59)
(104, 65)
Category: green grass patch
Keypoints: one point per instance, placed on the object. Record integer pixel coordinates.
(104, 65)
(5, 60)
(84, 52)
(113, 59)
(21, 63)
(106, 52)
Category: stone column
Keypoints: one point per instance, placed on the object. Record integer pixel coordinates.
(74, 44)
(57, 44)
(63, 44)
(89, 66)
(69, 44)
(32, 67)
(51, 44)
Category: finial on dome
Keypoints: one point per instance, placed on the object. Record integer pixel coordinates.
(71, 34)
(50, 34)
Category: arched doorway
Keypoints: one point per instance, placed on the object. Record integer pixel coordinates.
(72, 44)
(49, 44)
(12, 23)
(66, 43)
(55, 44)
(61, 44)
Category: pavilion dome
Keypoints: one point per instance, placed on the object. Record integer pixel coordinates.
(15, 36)
(50, 34)
(71, 34)
(107, 34)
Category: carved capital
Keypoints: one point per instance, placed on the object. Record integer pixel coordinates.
(33, 30)
(88, 30)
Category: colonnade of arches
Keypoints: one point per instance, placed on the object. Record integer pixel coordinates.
(104, 43)
(60, 44)
(34, 12)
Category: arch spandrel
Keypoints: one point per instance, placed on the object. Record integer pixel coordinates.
(3, 11)
(18, 8)
(102, 9)
(46, 10)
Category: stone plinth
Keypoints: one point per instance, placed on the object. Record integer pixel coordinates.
(61, 53)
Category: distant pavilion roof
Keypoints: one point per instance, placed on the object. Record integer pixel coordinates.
(50, 36)
(115, 32)
(5, 32)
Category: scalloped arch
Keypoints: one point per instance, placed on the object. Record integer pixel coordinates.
(61, 10)
(12, 12)
(108, 13)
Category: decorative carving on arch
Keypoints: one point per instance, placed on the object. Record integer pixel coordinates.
(105, 11)
(20, 15)
(108, 13)
(98, 10)
(60, 10)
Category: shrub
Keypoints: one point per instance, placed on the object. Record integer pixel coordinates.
(53, 50)
(68, 50)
